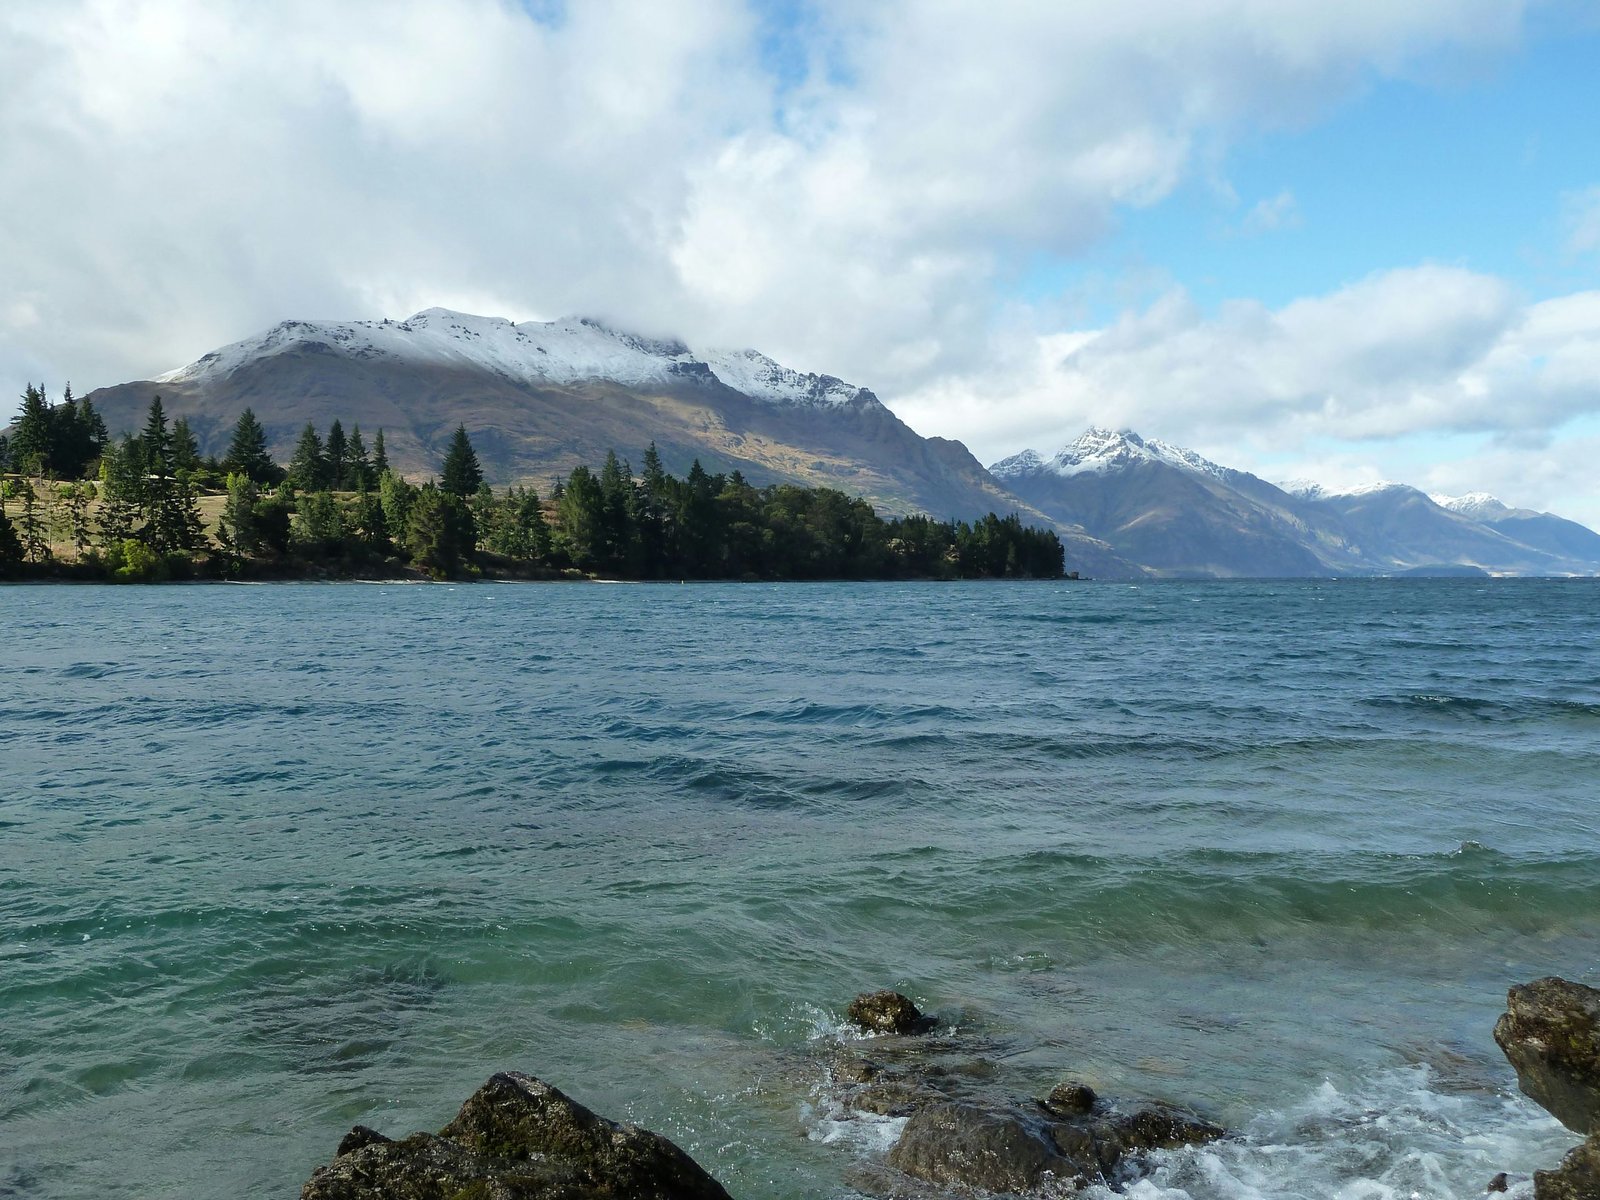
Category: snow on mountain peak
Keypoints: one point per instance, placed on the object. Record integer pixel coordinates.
(1477, 505)
(566, 351)
(1099, 449)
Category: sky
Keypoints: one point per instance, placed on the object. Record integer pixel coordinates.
(1340, 240)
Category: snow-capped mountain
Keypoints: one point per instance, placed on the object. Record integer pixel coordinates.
(1480, 506)
(569, 351)
(1104, 450)
(538, 398)
(1179, 513)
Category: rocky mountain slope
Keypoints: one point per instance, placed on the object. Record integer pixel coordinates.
(538, 398)
(1181, 515)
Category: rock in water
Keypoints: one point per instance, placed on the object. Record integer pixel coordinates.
(886, 1012)
(1000, 1148)
(1577, 1178)
(1551, 1033)
(954, 1143)
(516, 1138)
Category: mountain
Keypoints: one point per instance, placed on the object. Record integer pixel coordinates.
(1541, 530)
(539, 398)
(1172, 510)
(1181, 515)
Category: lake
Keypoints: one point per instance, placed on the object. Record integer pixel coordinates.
(279, 859)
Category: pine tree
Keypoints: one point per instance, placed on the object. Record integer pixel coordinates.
(308, 469)
(617, 531)
(155, 443)
(582, 517)
(360, 472)
(11, 552)
(31, 439)
(77, 497)
(380, 460)
(247, 452)
(337, 457)
(396, 497)
(439, 532)
(460, 475)
(96, 436)
(122, 493)
(30, 528)
(185, 447)
(236, 527)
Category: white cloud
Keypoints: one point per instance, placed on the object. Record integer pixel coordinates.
(186, 171)
(1418, 351)
(1272, 214)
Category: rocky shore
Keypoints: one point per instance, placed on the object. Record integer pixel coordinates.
(964, 1131)
(1550, 1032)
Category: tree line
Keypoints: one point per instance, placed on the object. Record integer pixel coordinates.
(129, 509)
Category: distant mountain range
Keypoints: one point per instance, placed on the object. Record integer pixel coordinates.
(1181, 515)
(538, 398)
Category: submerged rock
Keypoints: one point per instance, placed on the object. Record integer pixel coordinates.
(1577, 1178)
(887, 1012)
(516, 1138)
(1020, 1147)
(956, 1143)
(1071, 1099)
(1551, 1033)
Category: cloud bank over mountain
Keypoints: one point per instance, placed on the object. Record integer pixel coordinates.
(862, 189)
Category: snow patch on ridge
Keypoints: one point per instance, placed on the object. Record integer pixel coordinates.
(567, 351)
(1480, 506)
(1098, 450)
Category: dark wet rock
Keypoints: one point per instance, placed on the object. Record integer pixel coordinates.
(1017, 1147)
(1500, 1183)
(516, 1138)
(887, 1012)
(1577, 1178)
(358, 1137)
(1070, 1099)
(956, 1143)
(1551, 1033)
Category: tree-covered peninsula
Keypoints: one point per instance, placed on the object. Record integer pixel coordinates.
(76, 503)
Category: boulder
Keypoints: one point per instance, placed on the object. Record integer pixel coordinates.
(967, 1145)
(516, 1138)
(1014, 1148)
(1551, 1033)
(1070, 1099)
(1577, 1178)
(887, 1012)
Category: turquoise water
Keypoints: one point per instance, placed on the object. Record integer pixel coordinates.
(275, 860)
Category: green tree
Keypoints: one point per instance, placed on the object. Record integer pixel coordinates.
(31, 438)
(318, 524)
(308, 469)
(237, 528)
(380, 460)
(247, 452)
(31, 527)
(185, 447)
(439, 532)
(337, 457)
(122, 493)
(582, 510)
(361, 477)
(460, 475)
(76, 498)
(11, 551)
(155, 442)
(396, 497)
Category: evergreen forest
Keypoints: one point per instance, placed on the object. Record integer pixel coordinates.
(77, 503)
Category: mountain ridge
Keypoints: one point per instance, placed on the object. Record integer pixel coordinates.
(541, 397)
